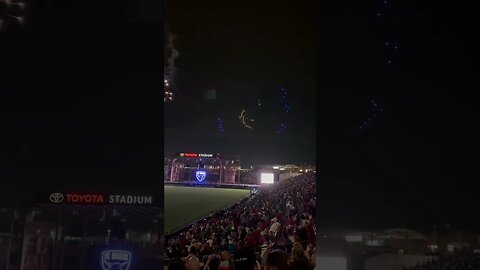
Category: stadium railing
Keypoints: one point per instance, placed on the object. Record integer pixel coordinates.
(216, 185)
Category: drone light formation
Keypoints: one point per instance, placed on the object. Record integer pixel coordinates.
(376, 111)
(246, 122)
(220, 126)
(286, 108)
(282, 127)
(390, 46)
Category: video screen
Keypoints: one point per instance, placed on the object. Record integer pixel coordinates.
(266, 178)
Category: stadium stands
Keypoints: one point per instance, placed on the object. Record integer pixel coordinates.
(273, 227)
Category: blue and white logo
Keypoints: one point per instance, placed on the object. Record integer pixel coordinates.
(116, 259)
(200, 175)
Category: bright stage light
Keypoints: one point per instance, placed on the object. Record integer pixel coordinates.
(266, 178)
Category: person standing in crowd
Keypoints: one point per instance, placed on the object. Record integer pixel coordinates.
(191, 261)
(298, 258)
(277, 260)
(275, 225)
(225, 261)
(213, 263)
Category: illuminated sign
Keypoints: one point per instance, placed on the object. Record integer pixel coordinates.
(84, 198)
(116, 259)
(96, 198)
(196, 155)
(129, 199)
(200, 175)
(56, 197)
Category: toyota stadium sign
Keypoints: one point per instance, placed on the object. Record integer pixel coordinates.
(197, 155)
(99, 198)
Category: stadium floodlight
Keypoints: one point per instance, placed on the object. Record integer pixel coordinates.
(331, 263)
(266, 178)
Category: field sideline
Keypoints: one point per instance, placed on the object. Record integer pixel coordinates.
(184, 205)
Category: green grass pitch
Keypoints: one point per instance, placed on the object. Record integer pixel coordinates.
(185, 205)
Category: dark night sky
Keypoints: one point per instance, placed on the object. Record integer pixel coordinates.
(245, 50)
(80, 96)
(417, 164)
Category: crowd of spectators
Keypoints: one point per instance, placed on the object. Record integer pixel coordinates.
(458, 261)
(273, 229)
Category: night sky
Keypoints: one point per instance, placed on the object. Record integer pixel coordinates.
(245, 50)
(80, 101)
(416, 163)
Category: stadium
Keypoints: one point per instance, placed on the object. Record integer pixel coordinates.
(212, 182)
(63, 229)
(214, 204)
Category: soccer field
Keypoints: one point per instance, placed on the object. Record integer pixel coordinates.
(184, 205)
